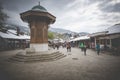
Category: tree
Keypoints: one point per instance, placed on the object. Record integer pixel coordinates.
(3, 17)
(50, 35)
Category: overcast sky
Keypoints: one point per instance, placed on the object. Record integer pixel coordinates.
(75, 15)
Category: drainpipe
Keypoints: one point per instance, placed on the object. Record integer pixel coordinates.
(95, 41)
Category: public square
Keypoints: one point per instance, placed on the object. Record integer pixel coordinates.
(30, 30)
(75, 66)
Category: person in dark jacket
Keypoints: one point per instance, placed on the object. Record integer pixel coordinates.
(84, 49)
(68, 47)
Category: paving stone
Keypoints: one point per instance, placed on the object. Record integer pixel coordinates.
(72, 67)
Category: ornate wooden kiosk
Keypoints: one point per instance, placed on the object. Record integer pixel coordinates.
(39, 20)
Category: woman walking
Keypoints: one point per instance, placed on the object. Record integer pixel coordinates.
(98, 48)
(81, 46)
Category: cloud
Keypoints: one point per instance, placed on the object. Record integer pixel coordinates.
(14, 18)
(111, 6)
(19, 5)
(84, 18)
(74, 15)
(81, 15)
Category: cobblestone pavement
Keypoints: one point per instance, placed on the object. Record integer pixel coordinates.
(75, 66)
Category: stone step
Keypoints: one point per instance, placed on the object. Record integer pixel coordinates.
(37, 56)
(34, 58)
(60, 57)
(43, 55)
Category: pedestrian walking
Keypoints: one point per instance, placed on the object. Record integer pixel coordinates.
(98, 48)
(84, 49)
(57, 46)
(81, 46)
(53, 45)
(68, 47)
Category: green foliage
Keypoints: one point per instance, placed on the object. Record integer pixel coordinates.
(50, 35)
(60, 36)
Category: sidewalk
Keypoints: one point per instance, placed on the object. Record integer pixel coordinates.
(75, 66)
